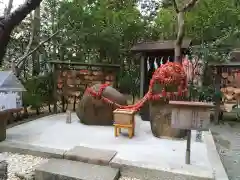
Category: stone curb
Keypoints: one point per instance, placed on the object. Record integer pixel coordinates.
(164, 170)
(90, 155)
(62, 169)
(214, 158)
(20, 148)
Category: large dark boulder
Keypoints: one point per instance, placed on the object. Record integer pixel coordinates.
(160, 119)
(160, 116)
(92, 111)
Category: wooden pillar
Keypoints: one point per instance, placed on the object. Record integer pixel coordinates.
(145, 82)
(54, 73)
(217, 99)
(116, 85)
(144, 112)
(142, 76)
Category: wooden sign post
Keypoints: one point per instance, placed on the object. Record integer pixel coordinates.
(190, 116)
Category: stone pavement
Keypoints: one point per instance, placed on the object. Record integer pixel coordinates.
(60, 169)
(227, 139)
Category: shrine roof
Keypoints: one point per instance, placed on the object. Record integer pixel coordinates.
(159, 45)
(9, 82)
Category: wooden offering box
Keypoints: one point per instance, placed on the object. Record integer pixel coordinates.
(124, 119)
(190, 115)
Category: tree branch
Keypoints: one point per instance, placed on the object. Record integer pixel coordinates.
(30, 41)
(27, 53)
(189, 5)
(36, 48)
(175, 6)
(21, 12)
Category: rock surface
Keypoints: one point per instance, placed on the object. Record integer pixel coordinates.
(160, 118)
(92, 111)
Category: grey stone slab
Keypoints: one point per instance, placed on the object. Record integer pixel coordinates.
(214, 158)
(20, 148)
(61, 169)
(141, 170)
(90, 155)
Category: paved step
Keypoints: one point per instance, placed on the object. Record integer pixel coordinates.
(60, 169)
(90, 155)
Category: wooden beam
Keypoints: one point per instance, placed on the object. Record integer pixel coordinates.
(142, 76)
(85, 64)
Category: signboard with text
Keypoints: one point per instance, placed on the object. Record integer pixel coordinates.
(190, 117)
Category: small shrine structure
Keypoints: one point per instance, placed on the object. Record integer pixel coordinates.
(10, 84)
(152, 55)
(11, 91)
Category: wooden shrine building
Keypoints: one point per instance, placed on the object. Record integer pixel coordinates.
(152, 54)
(155, 52)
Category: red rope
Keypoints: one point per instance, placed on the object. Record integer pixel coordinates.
(168, 74)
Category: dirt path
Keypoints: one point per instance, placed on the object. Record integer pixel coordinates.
(227, 139)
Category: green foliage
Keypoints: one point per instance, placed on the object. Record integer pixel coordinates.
(33, 96)
(99, 31)
(39, 91)
(214, 27)
(129, 79)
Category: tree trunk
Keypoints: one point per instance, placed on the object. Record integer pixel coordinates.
(36, 40)
(49, 108)
(180, 36)
(9, 22)
(4, 40)
(133, 98)
(37, 111)
(25, 114)
(74, 103)
(63, 103)
(180, 18)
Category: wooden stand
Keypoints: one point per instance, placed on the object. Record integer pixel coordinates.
(190, 116)
(4, 115)
(124, 119)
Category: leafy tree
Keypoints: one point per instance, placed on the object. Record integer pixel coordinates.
(215, 34)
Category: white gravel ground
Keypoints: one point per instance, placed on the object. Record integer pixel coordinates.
(19, 164)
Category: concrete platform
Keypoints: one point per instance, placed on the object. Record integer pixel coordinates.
(53, 132)
(144, 171)
(59, 169)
